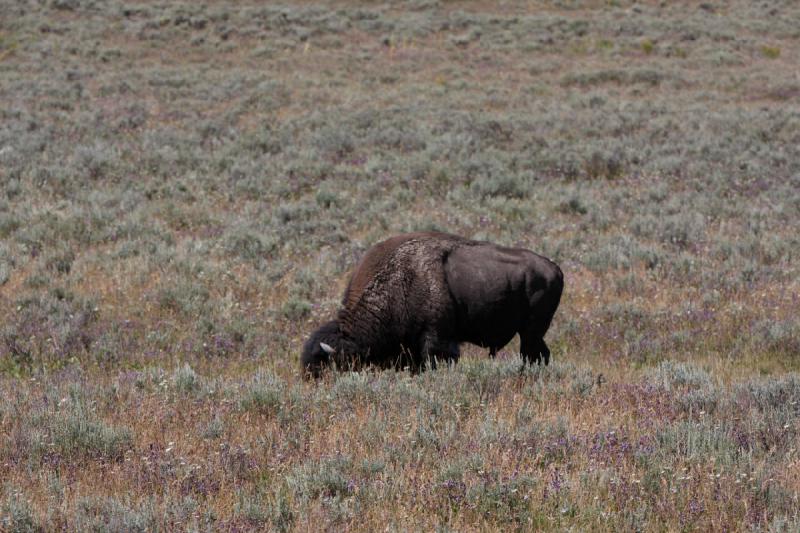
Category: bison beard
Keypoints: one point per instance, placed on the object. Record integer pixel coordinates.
(412, 299)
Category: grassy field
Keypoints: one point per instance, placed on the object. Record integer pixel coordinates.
(185, 186)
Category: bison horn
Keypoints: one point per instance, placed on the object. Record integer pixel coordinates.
(327, 348)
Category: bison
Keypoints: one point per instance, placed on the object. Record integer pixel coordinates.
(413, 298)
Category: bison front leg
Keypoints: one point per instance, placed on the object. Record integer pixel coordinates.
(434, 349)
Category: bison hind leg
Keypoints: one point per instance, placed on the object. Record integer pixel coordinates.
(545, 353)
(534, 349)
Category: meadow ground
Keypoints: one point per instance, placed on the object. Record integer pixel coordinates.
(184, 187)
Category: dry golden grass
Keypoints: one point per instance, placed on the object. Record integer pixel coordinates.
(185, 186)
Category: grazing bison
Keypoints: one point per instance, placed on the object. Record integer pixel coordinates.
(413, 298)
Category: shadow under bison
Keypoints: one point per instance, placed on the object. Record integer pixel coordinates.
(413, 298)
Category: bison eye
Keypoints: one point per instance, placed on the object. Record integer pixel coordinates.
(327, 348)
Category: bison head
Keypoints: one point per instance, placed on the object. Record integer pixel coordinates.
(325, 345)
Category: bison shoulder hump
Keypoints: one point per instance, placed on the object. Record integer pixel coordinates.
(382, 256)
(373, 262)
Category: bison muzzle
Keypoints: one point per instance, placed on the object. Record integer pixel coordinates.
(414, 298)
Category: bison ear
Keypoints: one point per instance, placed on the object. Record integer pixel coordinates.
(327, 348)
